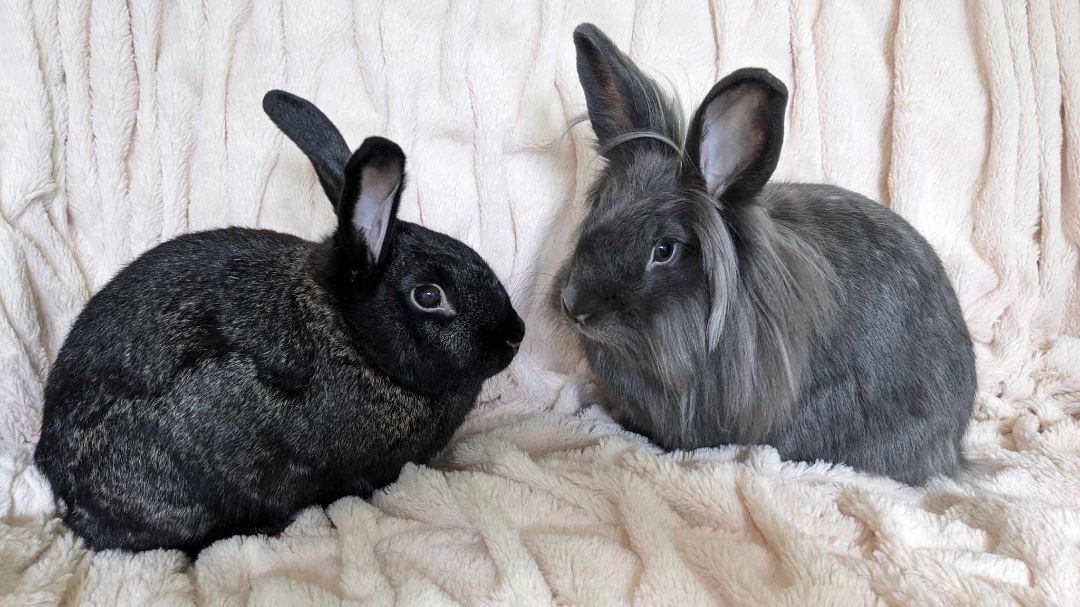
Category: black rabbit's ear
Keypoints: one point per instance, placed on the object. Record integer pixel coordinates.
(314, 134)
(621, 99)
(736, 135)
(367, 213)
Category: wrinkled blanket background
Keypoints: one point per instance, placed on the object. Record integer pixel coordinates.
(125, 123)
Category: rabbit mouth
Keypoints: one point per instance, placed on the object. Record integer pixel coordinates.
(503, 353)
(589, 328)
(500, 360)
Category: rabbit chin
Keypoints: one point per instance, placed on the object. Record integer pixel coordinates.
(502, 360)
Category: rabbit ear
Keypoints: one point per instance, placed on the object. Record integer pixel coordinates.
(367, 213)
(621, 99)
(314, 134)
(736, 135)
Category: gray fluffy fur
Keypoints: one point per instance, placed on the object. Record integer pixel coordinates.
(802, 316)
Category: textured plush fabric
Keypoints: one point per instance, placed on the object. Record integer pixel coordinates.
(124, 123)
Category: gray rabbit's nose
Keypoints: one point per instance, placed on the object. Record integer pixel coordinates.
(568, 307)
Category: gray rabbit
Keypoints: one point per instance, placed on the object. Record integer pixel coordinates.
(717, 308)
(226, 379)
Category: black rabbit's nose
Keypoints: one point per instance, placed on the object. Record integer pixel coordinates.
(514, 331)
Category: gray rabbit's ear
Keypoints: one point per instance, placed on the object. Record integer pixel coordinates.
(622, 101)
(314, 134)
(736, 135)
(367, 213)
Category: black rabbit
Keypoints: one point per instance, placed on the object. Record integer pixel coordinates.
(226, 379)
(716, 308)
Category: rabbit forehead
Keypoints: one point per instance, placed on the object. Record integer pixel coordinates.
(626, 181)
(632, 204)
(648, 218)
(421, 251)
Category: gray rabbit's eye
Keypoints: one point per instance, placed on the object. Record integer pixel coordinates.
(429, 297)
(663, 251)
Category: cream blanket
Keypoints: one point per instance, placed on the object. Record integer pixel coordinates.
(124, 123)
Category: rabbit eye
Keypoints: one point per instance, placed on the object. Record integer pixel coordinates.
(428, 297)
(663, 251)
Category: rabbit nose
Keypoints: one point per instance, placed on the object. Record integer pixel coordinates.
(568, 308)
(514, 331)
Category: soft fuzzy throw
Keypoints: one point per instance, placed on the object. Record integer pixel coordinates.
(125, 123)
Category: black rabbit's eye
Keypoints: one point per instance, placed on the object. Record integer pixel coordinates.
(663, 251)
(428, 297)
